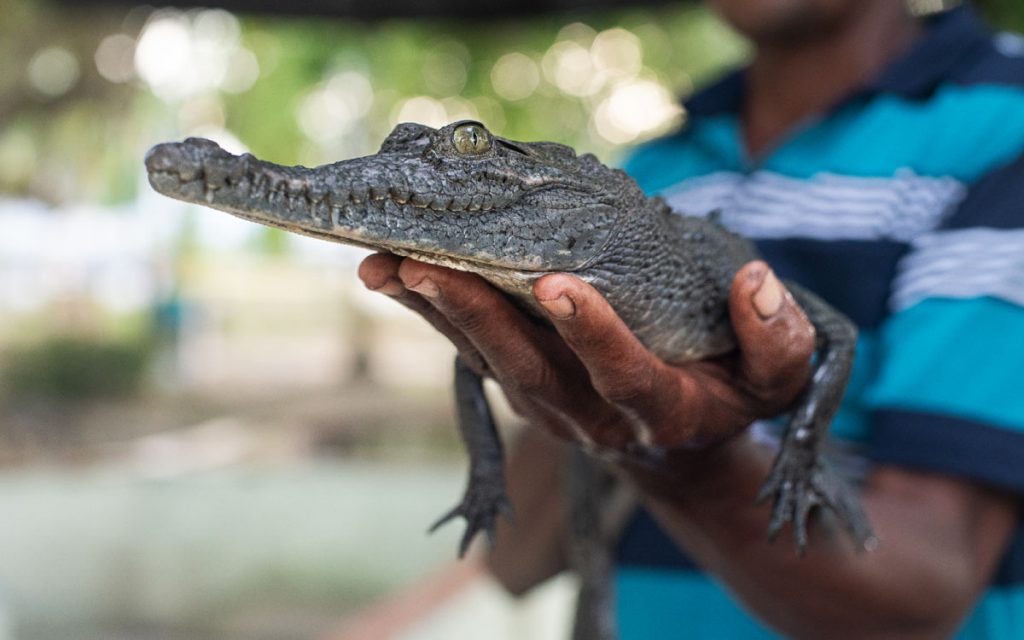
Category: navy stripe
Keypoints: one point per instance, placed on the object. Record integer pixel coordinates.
(946, 444)
(644, 544)
(854, 276)
(996, 200)
(952, 37)
(990, 66)
(958, 48)
(724, 96)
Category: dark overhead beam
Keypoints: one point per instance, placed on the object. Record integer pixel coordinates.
(383, 9)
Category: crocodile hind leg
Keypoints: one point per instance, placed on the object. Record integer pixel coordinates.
(590, 553)
(801, 478)
(485, 496)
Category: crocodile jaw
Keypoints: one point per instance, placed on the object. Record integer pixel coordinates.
(313, 202)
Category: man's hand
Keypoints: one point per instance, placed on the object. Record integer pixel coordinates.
(588, 379)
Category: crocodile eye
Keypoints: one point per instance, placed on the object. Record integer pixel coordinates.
(471, 139)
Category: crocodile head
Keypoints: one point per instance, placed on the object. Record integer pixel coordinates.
(458, 196)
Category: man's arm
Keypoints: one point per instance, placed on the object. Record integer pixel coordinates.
(532, 549)
(940, 539)
(589, 381)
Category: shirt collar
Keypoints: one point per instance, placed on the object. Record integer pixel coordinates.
(951, 37)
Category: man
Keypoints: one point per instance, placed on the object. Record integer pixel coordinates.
(878, 160)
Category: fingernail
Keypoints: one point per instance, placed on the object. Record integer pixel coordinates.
(561, 307)
(393, 287)
(769, 296)
(426, 288)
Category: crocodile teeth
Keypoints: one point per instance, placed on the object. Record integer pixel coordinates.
(459, 203)
(353, 213)
(338, 198)
(421, 199)
(259, 186)
(321, 211)
(188, 173)
(440, 203)
(316, 193)
(242, 186)
(378, 193)
(400, 195)
(215, 177)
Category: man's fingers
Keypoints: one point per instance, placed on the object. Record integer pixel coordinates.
(621, 368)
(379, 272)
(668, 406)
(504, 336)
(776, 339)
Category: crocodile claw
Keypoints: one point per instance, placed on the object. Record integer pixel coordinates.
(800, 481)
(480, 506)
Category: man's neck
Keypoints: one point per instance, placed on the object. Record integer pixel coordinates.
(789, 82)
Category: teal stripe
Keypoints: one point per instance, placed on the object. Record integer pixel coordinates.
(998, 616)
(963, 358)
(656, 604)
(961, 131)
(710, 145)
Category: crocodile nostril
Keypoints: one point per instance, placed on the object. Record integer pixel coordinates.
(173, 157)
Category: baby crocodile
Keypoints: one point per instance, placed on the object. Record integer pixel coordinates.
(512, 212)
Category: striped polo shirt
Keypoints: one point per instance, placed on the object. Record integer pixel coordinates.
(903, 206)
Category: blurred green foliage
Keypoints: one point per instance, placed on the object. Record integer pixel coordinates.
(84, 139)
(70, 368)
(1005, 14)
(80, 132)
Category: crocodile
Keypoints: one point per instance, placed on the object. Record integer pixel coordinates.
(462, 197)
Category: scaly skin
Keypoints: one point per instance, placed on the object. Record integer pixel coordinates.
(512, 212)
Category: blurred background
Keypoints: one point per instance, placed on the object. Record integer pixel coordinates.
(208, 429)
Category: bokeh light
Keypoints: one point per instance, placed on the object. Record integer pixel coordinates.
(634, 108)
(515, 76)
(421, 109)
(617, 52)
(114, 58)
(53, 71)
(445, 67)
(178, 56)
(335, 107)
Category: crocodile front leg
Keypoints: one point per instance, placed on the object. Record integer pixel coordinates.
(801, 478)
(485, 496)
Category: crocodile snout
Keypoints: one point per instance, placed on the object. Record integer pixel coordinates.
(189, 160)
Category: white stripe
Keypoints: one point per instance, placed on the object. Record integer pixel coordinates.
(965, 263)
(824, 207)
(1009, 44)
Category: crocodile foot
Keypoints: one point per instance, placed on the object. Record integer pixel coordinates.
(800, 481)
(483, 502)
